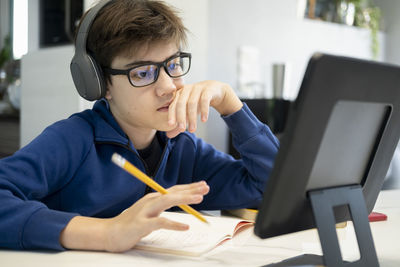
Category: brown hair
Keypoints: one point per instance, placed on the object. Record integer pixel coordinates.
(123, 26)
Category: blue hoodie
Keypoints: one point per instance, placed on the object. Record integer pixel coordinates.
(67, 171)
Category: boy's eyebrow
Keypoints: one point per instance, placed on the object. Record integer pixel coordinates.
(142, 62)
(135, 63)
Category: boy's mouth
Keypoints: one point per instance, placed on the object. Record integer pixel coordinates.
(165, 107)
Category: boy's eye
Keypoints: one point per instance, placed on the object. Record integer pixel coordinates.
(173, 66)
(142, 74)
(146, 72)
(137, 75)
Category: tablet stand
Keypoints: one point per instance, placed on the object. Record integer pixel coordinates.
(323, 201)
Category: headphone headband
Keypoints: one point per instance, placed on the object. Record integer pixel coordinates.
(81, 37)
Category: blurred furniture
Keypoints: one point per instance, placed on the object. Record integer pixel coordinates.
(273, 112)
(9, 134)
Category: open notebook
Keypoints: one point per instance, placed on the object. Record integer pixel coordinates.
(199, 239)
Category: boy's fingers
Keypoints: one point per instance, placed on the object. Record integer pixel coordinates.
(192, 108)
(193, 188)
(152, 195)
(173, 133)
(168, 201)
(181, 108)
(204, 106)
(172, 110)
(164, 223)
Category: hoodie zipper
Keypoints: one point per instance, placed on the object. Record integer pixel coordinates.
(148, 189)
(126, 147)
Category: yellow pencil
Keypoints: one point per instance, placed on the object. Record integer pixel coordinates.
(127, 166)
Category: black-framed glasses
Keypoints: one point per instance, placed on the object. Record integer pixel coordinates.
(147, 73)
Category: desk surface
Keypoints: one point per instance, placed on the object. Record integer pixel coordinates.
(244, 250)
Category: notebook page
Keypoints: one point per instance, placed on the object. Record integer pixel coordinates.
(200, 237)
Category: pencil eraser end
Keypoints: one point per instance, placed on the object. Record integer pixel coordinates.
(118, 159)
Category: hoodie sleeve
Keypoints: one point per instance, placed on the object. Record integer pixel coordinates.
(238, 183)
(36, 171)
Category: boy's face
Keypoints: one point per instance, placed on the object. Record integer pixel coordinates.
(143, 108)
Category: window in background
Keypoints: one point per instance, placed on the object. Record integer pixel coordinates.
(20, 28)
(58, 21)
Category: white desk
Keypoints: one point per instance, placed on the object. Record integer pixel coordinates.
(245, 250)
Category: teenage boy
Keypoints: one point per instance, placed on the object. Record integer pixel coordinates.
(62, 190)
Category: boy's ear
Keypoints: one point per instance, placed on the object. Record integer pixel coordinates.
(108, 94)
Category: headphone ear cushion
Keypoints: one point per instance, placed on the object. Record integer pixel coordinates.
(88, 77)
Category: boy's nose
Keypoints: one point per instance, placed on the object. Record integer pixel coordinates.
(165, 84)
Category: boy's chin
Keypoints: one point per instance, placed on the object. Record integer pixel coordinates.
(166, 128)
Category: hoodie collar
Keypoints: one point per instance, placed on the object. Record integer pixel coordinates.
(107, 128)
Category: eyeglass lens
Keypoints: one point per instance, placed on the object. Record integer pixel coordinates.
(147, 74)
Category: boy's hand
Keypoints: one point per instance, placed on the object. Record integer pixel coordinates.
(142, 218)
(194, 99)
(122, 232)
